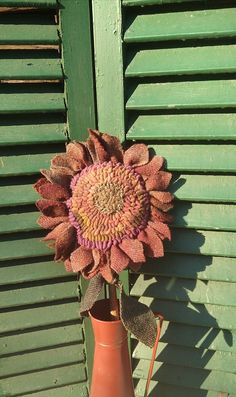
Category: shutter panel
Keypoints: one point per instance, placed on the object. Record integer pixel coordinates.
(179, 64)
(42, 340)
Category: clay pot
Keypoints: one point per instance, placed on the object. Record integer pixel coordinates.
(112, 375)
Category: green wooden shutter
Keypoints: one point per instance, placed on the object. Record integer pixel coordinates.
(42, 351)
(179, 63)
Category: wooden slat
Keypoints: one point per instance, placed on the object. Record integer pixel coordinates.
(17, 195)
(194, 313)
(188, 377)
(178, 61)
(184, 95)
(212, 188)
(29, 3)
(22, 247)
(184, 126)
(30, 69)
(182, 25)
(43, 380)
(38, 294)
(152, 2)
(40, 339)
(19, 320)
(204, 242)
(31, 100)
(41, 360)
(32, 133)
(205, 216)
(17, 222)
(203, 158)
(200, 267)
(25, 164)
(189, 357)
(184, 290)
(74, 390)
(27, 29)
(198, 337)
(166, 390)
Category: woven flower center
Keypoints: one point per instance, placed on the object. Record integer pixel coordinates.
(109, 203)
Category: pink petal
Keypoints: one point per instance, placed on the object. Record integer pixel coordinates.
(59, 176)
(161, 228)
(164, 197)
(39, 183)
(54, 191)
(66, 162)
(154, 246)
(133, 249)
(108, 274)
(113, 147)
(52, 208)
(162, 206)
(119, 260)
(67, 265)
(96, 145)
(136, 155)
(55, 233)
(135, 266)
(65, 243)
(49, 223)
(160, 216)
(159, 181)
(80, 259)
(79, 152)
(150, 168)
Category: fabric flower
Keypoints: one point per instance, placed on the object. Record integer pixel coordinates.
(107, 207)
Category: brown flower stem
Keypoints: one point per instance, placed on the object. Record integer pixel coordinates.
(114, 306)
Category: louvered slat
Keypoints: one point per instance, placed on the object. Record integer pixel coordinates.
(25, 164)
(152, 2)
(73, 390)
(13, 195)
(22, 246)
(182, 25)
(30, 69)
(30, 3)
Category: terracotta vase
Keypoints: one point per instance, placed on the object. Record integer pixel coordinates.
(112, 375)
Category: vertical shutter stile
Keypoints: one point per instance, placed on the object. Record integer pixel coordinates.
(180, 88)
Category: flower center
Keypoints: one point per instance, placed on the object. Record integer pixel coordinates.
(109, 203)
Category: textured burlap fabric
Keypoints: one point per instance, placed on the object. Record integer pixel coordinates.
(91, 294)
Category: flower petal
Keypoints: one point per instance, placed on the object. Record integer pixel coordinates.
(96, 147)
(135, 266)
(162, 206)
(113, 147)
(80, 259)
(134, 249)
(161, 228)
(49, 223)
(136, 155)
(164, 197)
(55, 233)
(52, 208)
(119, 260)
(66, 162)
(159, 181)
(53, 191)
(154, 246)
(79, 152)
(150, 168)
(67, 265)
(40, 183)
(59, 176)
(160, 216)
(108, 274)
(65, 243)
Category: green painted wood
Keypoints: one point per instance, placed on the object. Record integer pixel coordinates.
(109, 63)
(40, 339)
(26, 101)
(203, 158)
(35, 317)
(183, 95)
(204, 242)
(17, 195)
(27, 134)
(31, 30)
(221, 126)
(30, 3)
(189, 357)
(210, 188)
(185, 290)
(21, 246)
(39, 294)
(78, 66)
(178, 61)
(188, 377)
(25, 164)
(194, 313)
(200, 267)
(166, 390)
(41, 360)
(17, 222)
(30, 69)
(199, 337)
(204, 216)
(43, 380)
(66, 391)
(28, 270)
(182, 25)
